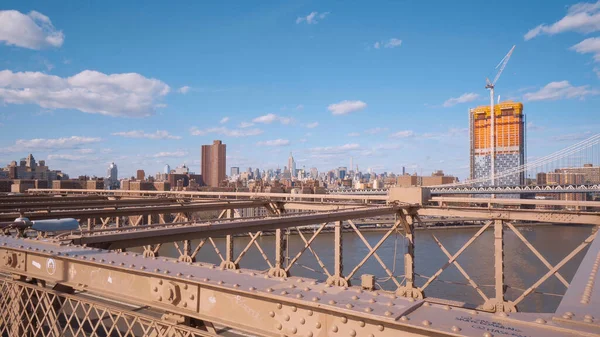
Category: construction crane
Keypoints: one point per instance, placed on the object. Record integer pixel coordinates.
(491, 86)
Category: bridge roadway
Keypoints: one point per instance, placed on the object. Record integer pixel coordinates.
(270, 306)
(461, 189)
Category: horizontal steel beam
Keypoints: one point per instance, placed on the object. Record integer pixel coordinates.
(540, 202)
(191, 194)
(256, 303)
(564, 217)
(83, 204)
(161, 209)
(141, 235)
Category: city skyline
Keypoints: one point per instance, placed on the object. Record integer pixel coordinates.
(375, 83)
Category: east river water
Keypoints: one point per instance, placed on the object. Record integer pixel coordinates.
(522, 267)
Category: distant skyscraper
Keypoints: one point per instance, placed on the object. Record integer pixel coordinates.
(167, 169)
(112, 176)
(342, 172)
(235, 171)
(140, 175)
(292, 165)
(213, 163)
(509, 139)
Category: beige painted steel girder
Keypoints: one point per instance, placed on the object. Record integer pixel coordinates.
(566, 217)
(143, 235)
(257, 303)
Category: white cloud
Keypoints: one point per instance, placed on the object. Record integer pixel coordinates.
(591, 45)
(375, 131)
(67, 157)
(534, 127)
(275, 142)
(49, 143)
(85, 151)
(244, 125)
(224, 120)
(464, 98)
(403, 134)
(169, 154)
(312, 125)
(393, 43)
(226, 132)
(33, 30)
(184, 90)
(159, 134)
(312, 17)
(129, 94)
(336, 149)
(346, 107)
(581, 17)
(560, 90)
(299, 107)
(354, 134)
(270, 118)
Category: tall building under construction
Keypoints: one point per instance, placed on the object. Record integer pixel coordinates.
(510, 142)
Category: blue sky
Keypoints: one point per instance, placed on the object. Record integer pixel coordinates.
(388, 83)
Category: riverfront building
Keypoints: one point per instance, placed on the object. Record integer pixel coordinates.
(213, 163)
(509, 138)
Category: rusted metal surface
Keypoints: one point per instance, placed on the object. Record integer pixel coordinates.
(536, 202)
(248, 301)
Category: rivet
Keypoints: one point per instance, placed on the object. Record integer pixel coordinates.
(568, 313)
(160, 298)
(155, 289)
(588, 320)
(372, 300)
(279, 306)
(286, 317)
(314, 283)
(300, 280)
(309, 334)
(455, 328)
(294, 330)
(473, 312)
(322, 292)
(142, 267)
(185, 304)
(349, 306)
(588, 316)
(355, 297)
(185, 286)
(206, 279)
(302, 321)
(236, 285)
(192, 297)
(447, 307)
(272, 314)
(388, 313)
(306, 289)
(131, 266)
(411, 299)
(565, 316)
(390, 304)
(380, 327)
(352, 333)
(426, 304)
(344, 319)
(166, 272)
(334, 328)
(426, 323)
(238, 271)
(318, 325)
(160, 282)
(309, 313)
(404, 318)
(540, 321)
(179, 274)
(368, 309)
(332, 302)
(284, 292)
(361, 323)
(502, 314)
(220, 282)
(251, 288)
(299, 296)
(156, 270)
(269, 290)
(487, 334)
(294, 309)
(121, 264)
(279, 326)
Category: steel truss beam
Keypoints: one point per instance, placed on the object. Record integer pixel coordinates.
(565, 217)
(241, 299)
(145, 235)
